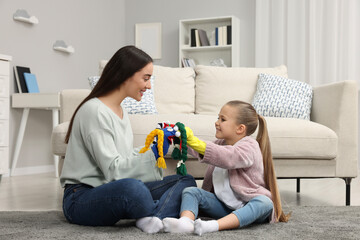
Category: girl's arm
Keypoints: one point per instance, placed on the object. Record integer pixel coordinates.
(240, 155)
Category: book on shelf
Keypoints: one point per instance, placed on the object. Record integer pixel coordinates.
(223, 35)
(192, 38)
(188, 62)
(228, 34)
(31, 83)
(216, 36)
(220, 36)
(204, 40)
(20, 79)
(197, 38)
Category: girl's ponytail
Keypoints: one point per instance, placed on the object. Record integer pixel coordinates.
(269, 172)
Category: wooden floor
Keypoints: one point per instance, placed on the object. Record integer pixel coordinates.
(43, 192)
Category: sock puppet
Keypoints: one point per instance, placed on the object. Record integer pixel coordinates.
(162, 137)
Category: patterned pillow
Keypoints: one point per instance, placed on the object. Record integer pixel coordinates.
(145, 106)
(93, 81)
(282, 97)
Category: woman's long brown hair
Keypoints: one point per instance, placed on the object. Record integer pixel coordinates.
(247, 115)
(123, 64)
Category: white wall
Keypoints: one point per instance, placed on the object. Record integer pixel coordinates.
(170, 12)
(96, 29)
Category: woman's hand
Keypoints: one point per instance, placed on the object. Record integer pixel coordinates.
(168, 134)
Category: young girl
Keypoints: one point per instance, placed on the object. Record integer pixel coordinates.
(239, 187)
(104, 176)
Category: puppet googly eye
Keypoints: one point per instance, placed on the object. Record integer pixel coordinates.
(177, 134)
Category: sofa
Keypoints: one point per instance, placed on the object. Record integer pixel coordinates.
(326, 146)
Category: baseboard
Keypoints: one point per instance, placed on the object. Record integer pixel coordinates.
(31, 170)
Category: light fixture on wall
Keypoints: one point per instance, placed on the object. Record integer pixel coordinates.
(22, 16)
(61, 46)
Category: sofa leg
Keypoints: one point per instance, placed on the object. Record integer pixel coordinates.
(347, 194)
(297, 185)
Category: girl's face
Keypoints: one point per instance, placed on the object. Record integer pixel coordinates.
(226, 126)
(137, 84)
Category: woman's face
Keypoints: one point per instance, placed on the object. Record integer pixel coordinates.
(137, 84)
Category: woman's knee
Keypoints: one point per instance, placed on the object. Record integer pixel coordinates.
(129, 187)
(190, 181)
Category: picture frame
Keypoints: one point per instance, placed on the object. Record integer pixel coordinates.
(148, 38)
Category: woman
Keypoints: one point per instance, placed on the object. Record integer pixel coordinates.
(105, 178)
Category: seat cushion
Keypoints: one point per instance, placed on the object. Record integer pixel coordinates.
(290, 138)
(297, 138)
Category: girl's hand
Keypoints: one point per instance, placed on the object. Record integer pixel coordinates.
(194, 142)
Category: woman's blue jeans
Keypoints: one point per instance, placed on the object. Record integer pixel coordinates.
(124, 199)
(257, 210)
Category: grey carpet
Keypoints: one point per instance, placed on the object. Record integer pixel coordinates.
(305, 223)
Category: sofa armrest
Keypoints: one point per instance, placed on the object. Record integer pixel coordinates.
(336, 106)
(58, 145)
(69, 101)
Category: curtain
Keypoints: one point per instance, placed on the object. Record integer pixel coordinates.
(318, 40)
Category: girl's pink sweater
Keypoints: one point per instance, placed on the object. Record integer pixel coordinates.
(244, 162)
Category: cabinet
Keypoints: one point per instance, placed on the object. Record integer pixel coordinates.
(205, 54)
(4, 113)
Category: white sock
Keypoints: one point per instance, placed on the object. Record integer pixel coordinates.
(181, 225)
(150, 224)
(202, 227)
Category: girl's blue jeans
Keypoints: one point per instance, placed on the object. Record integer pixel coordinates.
(257, 210)
(124, 199)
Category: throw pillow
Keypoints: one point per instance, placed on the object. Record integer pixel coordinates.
(282, 97)
(93, 81)
(145, 106)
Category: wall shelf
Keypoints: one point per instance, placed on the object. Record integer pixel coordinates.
(61, 46)
(22, 16)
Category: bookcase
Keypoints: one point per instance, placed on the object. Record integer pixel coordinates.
(4, 113)
(203, 55)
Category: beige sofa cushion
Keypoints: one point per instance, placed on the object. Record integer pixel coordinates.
(58, 145)
(290, 138)
(217, 85)
(297, 138)
(174, 89)
(69, 101)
